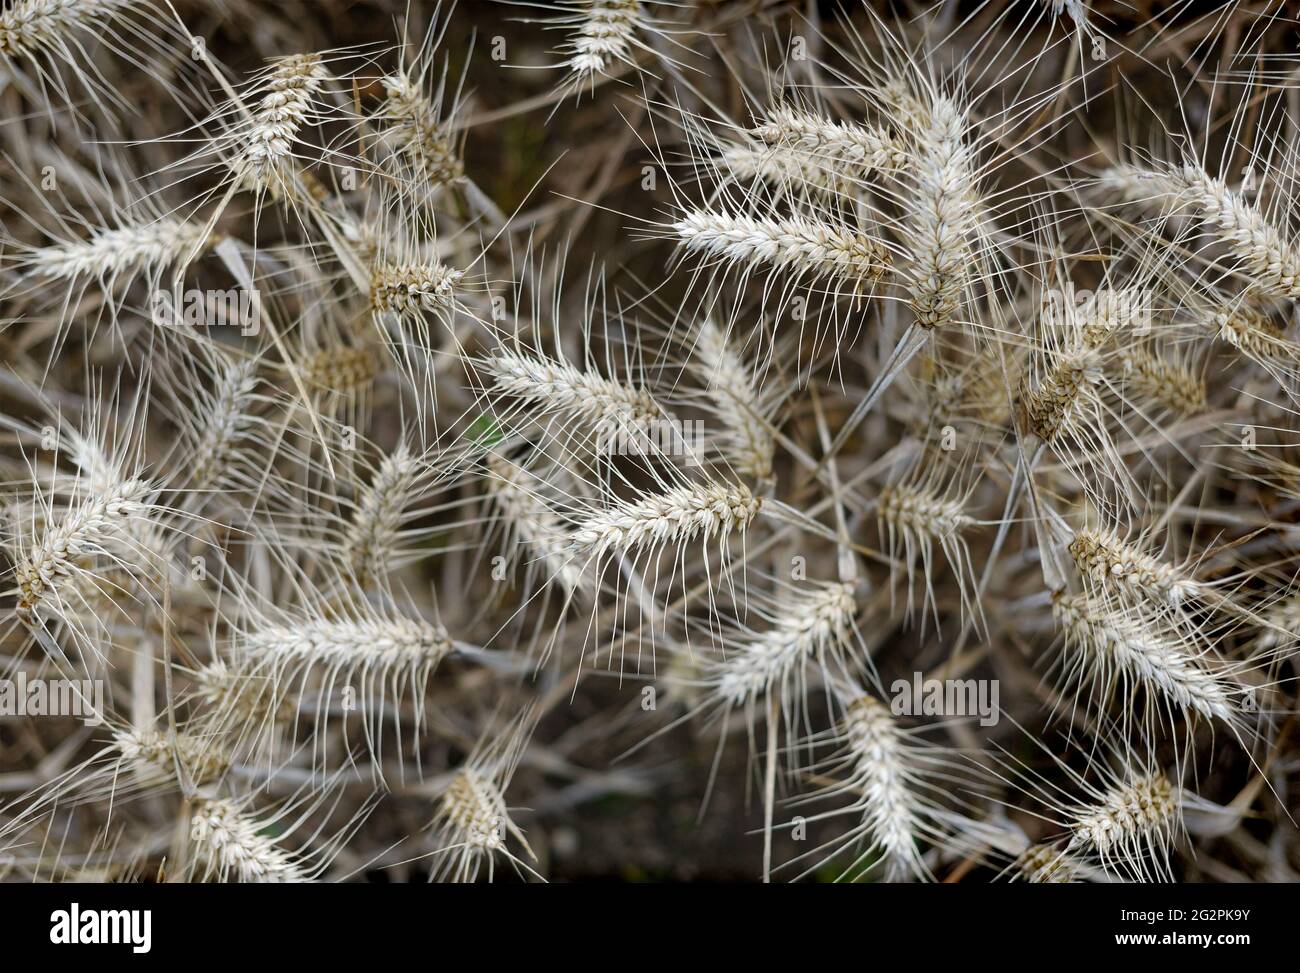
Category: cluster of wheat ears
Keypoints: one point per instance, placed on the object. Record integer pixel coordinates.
(430, 453)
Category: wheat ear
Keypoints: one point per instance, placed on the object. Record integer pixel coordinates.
(82, 532)
(411, 288)
(943, 215)
(805, 246)
(1107, 559)
(372, 535)
(1045, 863)
(1168, 383)
(472, 818)
(369, 644)
(1265, 255)
(606, 34)
(154, 756)
(1127, 820)
(808, 627)
(865, 148)
(781, 169)
(420, 137)
(737, 402)
(681, 515)
(265, 159)
(914, 518)
(887, 780)
(234, 846)
(110, 254)
(1054, 403)
(1119, 649)
(218, 442)
(560, 387)
(534, 523)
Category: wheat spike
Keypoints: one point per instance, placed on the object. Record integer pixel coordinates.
(678, 517)
(804, 246)
(234, 847)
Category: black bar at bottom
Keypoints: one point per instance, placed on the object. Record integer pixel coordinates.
(379, 923)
